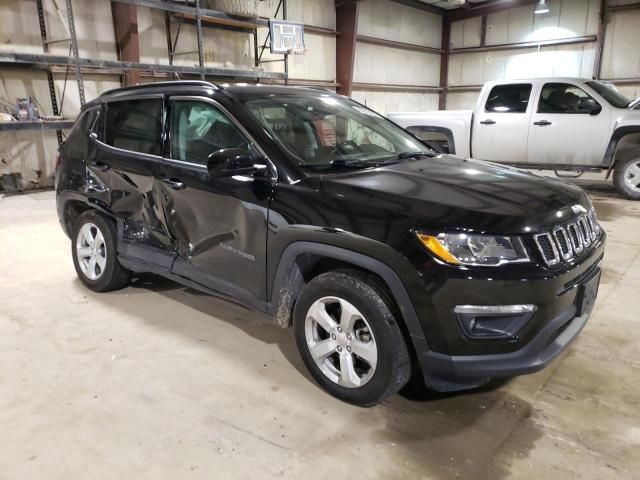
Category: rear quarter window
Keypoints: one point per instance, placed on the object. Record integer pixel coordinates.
(135, 125)
(78, 140)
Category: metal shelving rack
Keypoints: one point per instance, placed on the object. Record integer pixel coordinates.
(185, 12)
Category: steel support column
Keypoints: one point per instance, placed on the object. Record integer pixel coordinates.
(74, 50)
(445, 44)
(602, 28)
(125, 24)
(199, 40)
(346, 24)
(52, 86)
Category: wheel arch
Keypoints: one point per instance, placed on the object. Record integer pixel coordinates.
(624, 142)
(71, 205)
(303, 260)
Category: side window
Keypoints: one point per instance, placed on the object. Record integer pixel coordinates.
(564, 98)
(512, 98)
(199, 129)
(135, 125)
(78, 139)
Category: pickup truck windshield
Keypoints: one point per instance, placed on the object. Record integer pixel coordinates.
(610, 94)
(330, 131)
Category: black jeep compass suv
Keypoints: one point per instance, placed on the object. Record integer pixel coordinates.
(389, 260)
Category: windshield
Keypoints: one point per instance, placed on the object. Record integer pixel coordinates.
(329, 131)
(610, 94)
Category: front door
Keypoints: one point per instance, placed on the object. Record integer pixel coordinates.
(219, 224)
(564, 131)
(501, 125)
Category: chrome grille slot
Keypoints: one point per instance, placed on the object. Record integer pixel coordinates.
(548, 248)
(576, 238)
(585, 230)
(568, 241)
(564, 244)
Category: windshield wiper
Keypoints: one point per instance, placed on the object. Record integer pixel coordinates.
(403, 155)
(337, 164)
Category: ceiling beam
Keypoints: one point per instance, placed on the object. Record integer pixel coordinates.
(486, 8)
(425, 7)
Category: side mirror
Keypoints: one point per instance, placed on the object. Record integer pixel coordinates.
(590, 106)
(233, 161)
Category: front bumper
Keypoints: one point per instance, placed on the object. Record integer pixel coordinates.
(452, 361)
(458, 372)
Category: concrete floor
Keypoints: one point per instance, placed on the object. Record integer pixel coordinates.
(163, 382)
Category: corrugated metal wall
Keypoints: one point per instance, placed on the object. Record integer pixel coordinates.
(375, 64)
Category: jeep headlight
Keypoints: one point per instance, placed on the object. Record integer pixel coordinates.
(475, 250)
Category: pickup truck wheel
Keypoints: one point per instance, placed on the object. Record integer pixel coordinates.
(626, 178)
(349, 338)
(93, 246)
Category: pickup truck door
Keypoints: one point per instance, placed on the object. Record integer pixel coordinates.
(218, 224)
(568, 127)
(501, 124)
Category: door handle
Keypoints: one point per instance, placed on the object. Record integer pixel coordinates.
(174, 183)
(488, 121)
(98, 165)
(542, 123)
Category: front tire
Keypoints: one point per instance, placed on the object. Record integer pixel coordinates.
(349, 338)
(93, 247)
(626, 178)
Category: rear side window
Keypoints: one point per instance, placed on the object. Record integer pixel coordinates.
(513, 98)
(135, 125)
(78, 139)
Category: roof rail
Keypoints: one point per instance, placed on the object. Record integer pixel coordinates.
(202, 83)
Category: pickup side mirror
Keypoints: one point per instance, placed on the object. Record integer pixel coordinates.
(233, 161)
(590, 106)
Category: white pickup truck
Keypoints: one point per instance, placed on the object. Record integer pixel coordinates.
(566, 124)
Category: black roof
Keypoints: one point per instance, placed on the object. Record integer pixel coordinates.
(198, 87)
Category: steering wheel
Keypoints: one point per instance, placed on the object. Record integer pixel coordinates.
(347, 147)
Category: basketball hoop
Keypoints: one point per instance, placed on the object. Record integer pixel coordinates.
(286, 37)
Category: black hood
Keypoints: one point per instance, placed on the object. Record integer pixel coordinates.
(448, 192)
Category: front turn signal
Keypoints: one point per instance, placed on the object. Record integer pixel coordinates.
(438, 249)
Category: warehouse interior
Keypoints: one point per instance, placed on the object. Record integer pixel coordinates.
(160, 380)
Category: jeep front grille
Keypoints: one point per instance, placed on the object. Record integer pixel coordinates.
(566, 242)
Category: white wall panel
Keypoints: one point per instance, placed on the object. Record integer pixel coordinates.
(566, 19)
(461, 100)
(466, 33)
(377, 64)
(390, 101)
(478, 68)
(319, 13)
(621, 55)
(392, 21)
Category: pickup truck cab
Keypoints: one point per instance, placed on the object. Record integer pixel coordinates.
(543, 123)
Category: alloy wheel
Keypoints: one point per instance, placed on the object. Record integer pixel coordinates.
(341, 342)
(632, 176)
(91, 251)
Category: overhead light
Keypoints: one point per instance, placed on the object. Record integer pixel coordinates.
(541, 8)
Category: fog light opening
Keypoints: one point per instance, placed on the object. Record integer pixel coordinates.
(493, 322)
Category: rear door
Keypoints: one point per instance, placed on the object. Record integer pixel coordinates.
(563, 131)
(218, 224)
(131, 154)
(501, 124)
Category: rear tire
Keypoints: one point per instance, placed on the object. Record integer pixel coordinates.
(93, 248)
(626, 178)
(366, 358)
